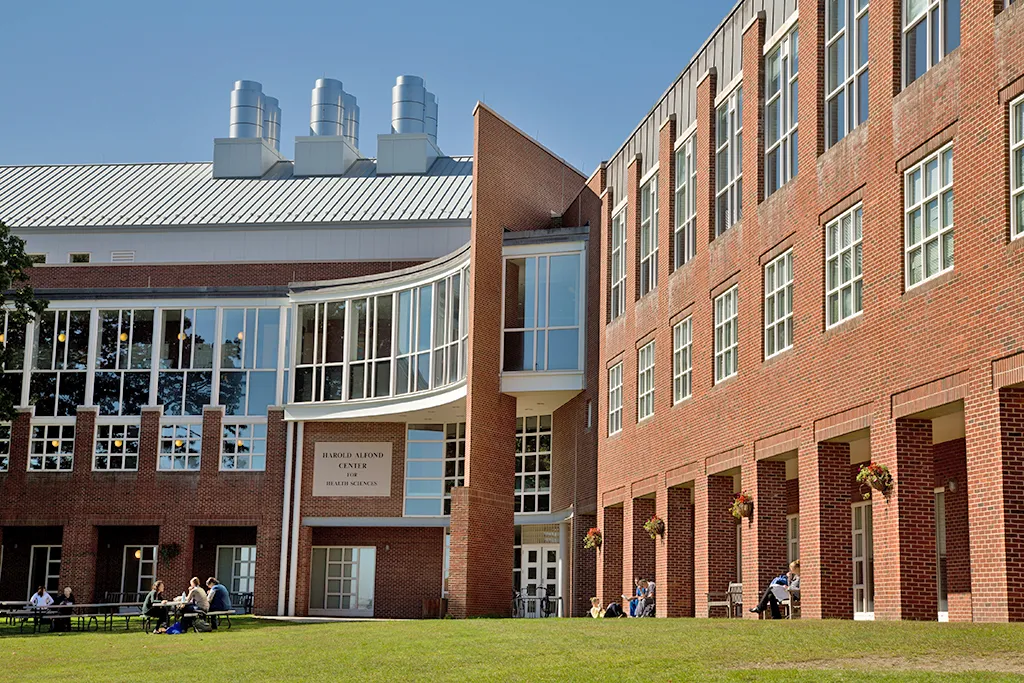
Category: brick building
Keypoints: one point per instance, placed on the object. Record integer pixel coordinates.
(294, 375)
(780, 309)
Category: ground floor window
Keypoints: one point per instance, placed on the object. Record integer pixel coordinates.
(342, 581)
(44, 569)
(236, 567)
(139, 569)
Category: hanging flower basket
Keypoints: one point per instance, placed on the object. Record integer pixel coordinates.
(876, 476)
(742, 505)
(655, 526)
(169, 551)
(593, 539)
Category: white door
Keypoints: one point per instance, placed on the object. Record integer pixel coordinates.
(940, 553)
(138, 570)
(539, 577)
(863, 563)
(342, 581)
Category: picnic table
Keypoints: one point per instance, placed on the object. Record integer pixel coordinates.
(87, 614)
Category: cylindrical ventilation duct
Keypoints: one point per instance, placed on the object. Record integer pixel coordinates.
(272, 122)
(246, 110)
(327, 111)
(407, 105)
(351, 123)
(430, 117)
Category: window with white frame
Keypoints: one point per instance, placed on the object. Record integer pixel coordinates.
(124, 360)
(726, 336)
(435, 463)
(533, 464)
(793, 537)
(615, 399)
(846, 67)
(781, 113)
(618, 265)
(181, 446)
(236, 567)
(57, 385)
(244, 447)
(250, 340)
(116, 447)
(5, 446)
(778, 304)
(1017, 167)
(645, 382)
(685, 235)
(931, 30)
(12, 355)
(51, 448)
(729, 162)
(649, 235)
(928, 236)
(542, 319)
(185, 381)
(843, 266)
(682, 360)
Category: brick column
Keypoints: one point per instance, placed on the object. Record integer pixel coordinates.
(149, 438)
(707, 90)
(583, 566)
(753, 121)
(951, 466)
(85, 429)
(1011, 443)
(609, 556)
(176, 572)
(714, 539)
(764, 534)
(826, 580)
(268, 532)
(209, 463)
(303, 569)
(638, 548)
(904, 522)
(78, 560)
(674, 561)
(21, 431)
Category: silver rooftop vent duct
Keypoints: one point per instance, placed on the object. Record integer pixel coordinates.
(272, 122)
(326, 115)
(408, 98)
(430, 117)
(350, 127)
(247, 102)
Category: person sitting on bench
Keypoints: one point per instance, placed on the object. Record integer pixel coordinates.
(220, 599)
(195, 601)
(151, 609)
(780, 588)
(41, 599)
(66, 602)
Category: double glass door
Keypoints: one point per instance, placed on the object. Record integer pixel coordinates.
(342, 581)
(539, 578)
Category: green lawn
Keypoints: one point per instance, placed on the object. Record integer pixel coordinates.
(528, 650)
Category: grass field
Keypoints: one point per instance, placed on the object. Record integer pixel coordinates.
(528, 650)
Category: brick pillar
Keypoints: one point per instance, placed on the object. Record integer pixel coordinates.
(583, 567)
(21, 430)
(177, 571)
(674, 562)
(78, 560)
(826, 579)
(85, 429)
(714, 539)
(1011, 436)
(951, 466)
(209, 462)
(904, 522)
(149, 438)
(302, 570)
(764, 534)
(707, 90)
(609, 557)
(638, 548)
(268, 532)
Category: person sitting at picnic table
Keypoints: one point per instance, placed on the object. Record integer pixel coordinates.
(40, 599)
(152, 609)
(66, 603)
(780, 588)
(195, 601)
(595, 608)
(220, 599)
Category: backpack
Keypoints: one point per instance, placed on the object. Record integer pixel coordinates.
(202, 626)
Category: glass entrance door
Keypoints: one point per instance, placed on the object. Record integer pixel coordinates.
(940, 553)
(342, 581)
(863, 563)
(44, 569)
(539, 580)
(138, 571)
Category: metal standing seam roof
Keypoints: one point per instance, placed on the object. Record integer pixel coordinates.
(186, 194)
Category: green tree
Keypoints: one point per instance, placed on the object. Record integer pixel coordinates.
(18, 302)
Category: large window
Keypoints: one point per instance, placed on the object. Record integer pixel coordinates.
(51, 448)
(186, 360)
(250, 339)
(542, 321)
(57, 386)
(649, 235)
(618, 266)
(685, 236)
(1017, 167)
(12, 362)
(389, 344)
(778, 305)
(533, 464)
(846, 67)
(645, 382)
(116, 447)
(928, 237)
(931, 30)
(435, 463)
(682, 360)
(726, 336)
(792, 538)
(243, 447)
(124, 359)
(236, 567)
(615, 399)
(843, 268)
(729, 162)
(780, 113)
(181, 447)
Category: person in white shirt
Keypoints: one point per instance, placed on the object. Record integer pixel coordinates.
(41, 599)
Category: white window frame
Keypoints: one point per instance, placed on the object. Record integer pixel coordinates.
(921, 192)
(778, 304)
(682, 360)
(116, 435)
(125, 343)
(55, 430)
(73, 254)
(844, 270)
(645, 382)
(729, 161)
(538, 428)
(447, 481)
(618, 265)
(933, 14)
(685, 234)
(185, 434)
(793, 537)
(849, 91)
(1017, 168)
(148, 559)
(49, 561)
(245, 434)
(781, 146)
(5, 446)
(649, 235)
(238, 563)
(615, 399)
(726, 335)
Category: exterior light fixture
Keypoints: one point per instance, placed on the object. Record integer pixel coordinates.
(138, 554)
(62, 337)
(124, 336)
(952, 485)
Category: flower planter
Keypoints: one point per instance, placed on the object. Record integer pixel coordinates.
(878, 485)
(592, 541)
(745, 509)
(654, 527)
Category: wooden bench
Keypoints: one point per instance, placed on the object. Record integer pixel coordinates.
(731, 599)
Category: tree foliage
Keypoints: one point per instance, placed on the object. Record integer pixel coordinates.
(19, 304)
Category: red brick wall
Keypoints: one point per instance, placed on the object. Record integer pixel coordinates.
(714, 547)
(764, 533)
(584, 566)
(609, 556)
(675, 553)
(951, 466)
(638, 546)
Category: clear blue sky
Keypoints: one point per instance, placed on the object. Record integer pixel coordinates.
(118, 81)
